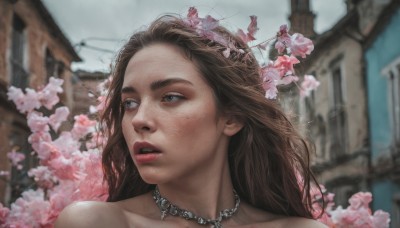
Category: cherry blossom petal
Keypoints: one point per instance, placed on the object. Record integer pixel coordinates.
(300, 45)
(307, 85)
(59, 116)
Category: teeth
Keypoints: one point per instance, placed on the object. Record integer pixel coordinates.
(146, 150)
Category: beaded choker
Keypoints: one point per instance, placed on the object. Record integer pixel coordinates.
(168, 208)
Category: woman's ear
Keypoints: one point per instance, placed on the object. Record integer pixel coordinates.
(232, 125)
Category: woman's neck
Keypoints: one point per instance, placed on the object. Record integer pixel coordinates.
(205, 195)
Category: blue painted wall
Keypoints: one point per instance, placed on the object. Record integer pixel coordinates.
(384, 50)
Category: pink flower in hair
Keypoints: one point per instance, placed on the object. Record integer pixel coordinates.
(300, 45)
(270, 77)
(251, 30)
(283, 39)
(192, 19)
(284, 64)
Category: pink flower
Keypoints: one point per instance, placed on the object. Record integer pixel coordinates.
(64, 168)
(270, 77)
(360, 200)
(192, 19)
(43, 176)
(309, 84)
(17, 96)
(31, 210)
(38, 122)
(284, 64)
(58, 117)
(40, 142)
(82, 126)
(67, 144)
(4, 211)
(381, 219)
(48, 96)
(4, 173)
(286, 80)
(31, 101)
(24, 103)
(251, 30)
(300, 45)
(15, 157)
(60, 197)
(283, 39)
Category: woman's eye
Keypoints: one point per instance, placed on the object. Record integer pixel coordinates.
(171, 98)
(130, 104)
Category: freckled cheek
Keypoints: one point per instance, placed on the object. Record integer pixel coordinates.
(186, 127)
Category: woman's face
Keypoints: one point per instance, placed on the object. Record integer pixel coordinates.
(170, 121)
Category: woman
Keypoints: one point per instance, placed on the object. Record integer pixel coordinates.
(192, 139)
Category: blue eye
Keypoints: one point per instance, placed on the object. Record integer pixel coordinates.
(129, 104)
(171, 98)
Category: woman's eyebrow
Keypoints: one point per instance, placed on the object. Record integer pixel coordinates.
(128, 89)
(156, 85)
(166, 82)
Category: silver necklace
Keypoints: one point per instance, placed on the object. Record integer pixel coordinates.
(168, 208)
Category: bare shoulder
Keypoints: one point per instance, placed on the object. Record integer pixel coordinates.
(253, 217)
(302, 222)
(91, 214)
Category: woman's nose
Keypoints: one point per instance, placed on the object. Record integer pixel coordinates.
(142, 121)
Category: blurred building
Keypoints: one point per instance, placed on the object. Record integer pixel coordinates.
(382, 75)
(335, 115)
(354, 116)
(86, 91)
(32, 48)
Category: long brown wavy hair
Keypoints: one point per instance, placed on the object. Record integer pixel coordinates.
(265, 157)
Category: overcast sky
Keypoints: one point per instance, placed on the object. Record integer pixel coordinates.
(107, 24)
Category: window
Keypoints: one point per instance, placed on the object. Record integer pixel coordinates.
(19, 77)
(337, 114)
(53, 67)
(392, 72)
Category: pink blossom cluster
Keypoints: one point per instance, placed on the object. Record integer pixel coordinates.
(356, 215)
(281, 71)
(32, 99)
(66, 173)
(16, 158)
(275, 73)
